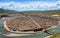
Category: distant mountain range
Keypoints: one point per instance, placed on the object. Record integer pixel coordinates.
(13, 11)
(7, 11)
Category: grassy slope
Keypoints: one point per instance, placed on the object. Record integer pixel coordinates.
(30, 12)
(55, 36)
(42, 12)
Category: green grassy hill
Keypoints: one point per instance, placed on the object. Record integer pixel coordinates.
(7, 11)
(43, 12)
(36, 12)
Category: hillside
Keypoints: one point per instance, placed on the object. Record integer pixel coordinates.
(7, 11)
(43, 12)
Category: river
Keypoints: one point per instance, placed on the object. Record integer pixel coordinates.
(56, 30)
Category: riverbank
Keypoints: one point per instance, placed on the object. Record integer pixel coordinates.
(54, 36)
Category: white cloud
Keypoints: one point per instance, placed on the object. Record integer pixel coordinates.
(30, 6)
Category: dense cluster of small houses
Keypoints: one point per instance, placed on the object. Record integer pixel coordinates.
(25, 23)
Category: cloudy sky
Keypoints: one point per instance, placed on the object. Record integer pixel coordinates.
(26, 5)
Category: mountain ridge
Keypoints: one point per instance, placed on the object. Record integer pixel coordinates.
(14, 11)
